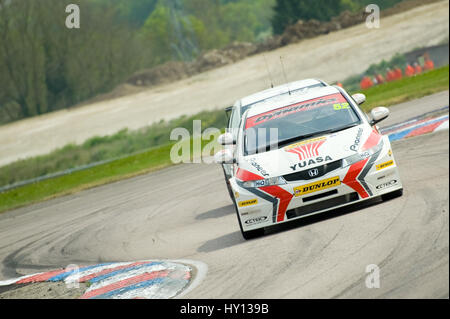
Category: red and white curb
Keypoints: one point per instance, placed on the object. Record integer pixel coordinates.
(415, 127)
(149, 279)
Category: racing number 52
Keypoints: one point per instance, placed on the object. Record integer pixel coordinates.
(340, 106)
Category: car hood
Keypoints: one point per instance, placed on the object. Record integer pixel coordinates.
(309, 153)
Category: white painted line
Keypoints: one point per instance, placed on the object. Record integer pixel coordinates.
(443, 126)
(13, 281)
(202, 270)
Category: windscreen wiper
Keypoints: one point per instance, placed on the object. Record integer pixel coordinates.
(302, 137)
(297, 138)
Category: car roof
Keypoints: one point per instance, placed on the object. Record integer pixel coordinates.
(295, 97)
(280, 89)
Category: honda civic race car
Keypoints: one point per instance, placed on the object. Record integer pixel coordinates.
(307, 153)
(236, 111)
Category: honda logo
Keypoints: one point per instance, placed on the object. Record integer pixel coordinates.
(313, 172)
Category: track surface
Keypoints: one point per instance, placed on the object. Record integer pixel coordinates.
(331, 57)
(184, 212)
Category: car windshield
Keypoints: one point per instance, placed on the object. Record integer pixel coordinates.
(292, 123)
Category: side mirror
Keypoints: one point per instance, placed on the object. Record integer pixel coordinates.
(224, 156)
(226, 139)
(359, 98)
(378, 114)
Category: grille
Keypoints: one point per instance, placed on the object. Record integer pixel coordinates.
(314, 197)
(303, 175)
(329, 203)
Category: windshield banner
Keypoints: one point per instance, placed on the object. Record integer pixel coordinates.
(293, 108)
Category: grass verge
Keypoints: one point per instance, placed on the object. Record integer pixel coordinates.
(127, 167)
(159, 157)
(407, 89)
(105, 148)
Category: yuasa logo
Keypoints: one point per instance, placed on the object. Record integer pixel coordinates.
(310, 162)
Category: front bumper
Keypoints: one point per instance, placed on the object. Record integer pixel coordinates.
(265, 206)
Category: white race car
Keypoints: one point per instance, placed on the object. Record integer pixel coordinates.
(238, 109)
(307, 153)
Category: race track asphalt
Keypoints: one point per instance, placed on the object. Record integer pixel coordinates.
(184, 212)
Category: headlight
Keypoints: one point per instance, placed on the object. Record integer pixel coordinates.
(265, 182)
(361, 156)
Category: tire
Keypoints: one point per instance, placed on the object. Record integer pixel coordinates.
(392, 195)
(251, 233)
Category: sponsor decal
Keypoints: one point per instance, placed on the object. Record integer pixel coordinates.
(258, 167)
(297, 107)
(249, 202)
(295, 145)
(317, 186)
(256, 220)
(357, 141)
(385, 175)
(384, 165)
(251, 212)
(310, 162)
(390, 153)
(306, 149)
(388, 184)
(236, 194)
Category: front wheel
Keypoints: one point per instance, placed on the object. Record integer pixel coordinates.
(392, 195)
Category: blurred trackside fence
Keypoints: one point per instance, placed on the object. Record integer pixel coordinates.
(53, 175)
(67, 171)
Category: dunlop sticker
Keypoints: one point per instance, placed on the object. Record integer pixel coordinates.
(317, 186)
(248, 202)
(384, 165)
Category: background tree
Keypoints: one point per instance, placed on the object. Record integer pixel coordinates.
(45, 66)
(288, 12)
